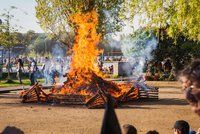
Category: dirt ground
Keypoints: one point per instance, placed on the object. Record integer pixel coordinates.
(51, 119)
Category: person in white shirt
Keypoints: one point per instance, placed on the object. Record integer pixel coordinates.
(46, 70)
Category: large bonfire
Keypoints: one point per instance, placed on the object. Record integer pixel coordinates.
(84, 76)
(85, 82)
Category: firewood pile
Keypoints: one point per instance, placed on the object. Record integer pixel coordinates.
(90, 82)
(95, 89)
(67, 99)
(36, 94)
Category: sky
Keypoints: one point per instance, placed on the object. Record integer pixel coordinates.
(26, 21)
(29, 21)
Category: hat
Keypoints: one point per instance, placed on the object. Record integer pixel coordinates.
(182, 126)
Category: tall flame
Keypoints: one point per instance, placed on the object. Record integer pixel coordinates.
(85, 50)
(84, 77)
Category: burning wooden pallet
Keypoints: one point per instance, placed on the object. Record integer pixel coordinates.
(70, 99)
(97, 100)
(131, 94)
(34, 94)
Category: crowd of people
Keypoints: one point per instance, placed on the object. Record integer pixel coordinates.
(160, 70)
(14, 61)
(49, 68)
(154, 70)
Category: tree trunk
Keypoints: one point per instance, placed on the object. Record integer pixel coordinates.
(8, 63)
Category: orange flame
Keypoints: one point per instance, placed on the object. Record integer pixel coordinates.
(85, 50)
(84, 73)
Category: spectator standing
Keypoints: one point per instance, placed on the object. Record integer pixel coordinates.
(32, 70)
(111, 69)
(53, 71)
(45, 69)
(100, 64)
(58, 68)
(20, 67)
(167, 66)
(8, 65)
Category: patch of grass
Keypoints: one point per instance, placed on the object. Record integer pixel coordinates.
(25, 82)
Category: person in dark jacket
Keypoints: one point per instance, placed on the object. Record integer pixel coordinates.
(32, 70)
(20, 69)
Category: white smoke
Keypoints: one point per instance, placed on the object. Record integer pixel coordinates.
(57, 51)
(136, 46)
(57, 64)
(137, 50)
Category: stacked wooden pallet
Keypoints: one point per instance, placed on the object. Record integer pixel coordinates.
(149, 94)
(97, 100)
(70, 99)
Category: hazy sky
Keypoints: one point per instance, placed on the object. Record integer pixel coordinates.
(29, 21)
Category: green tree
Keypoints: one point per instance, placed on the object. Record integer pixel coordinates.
(8, 33)
(181, 54)
(29, 37)
(179, 17)
(42, 45)
(53, 16)
(38, 45)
